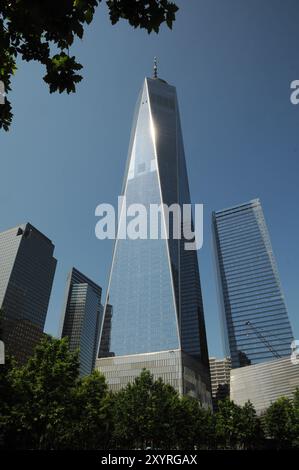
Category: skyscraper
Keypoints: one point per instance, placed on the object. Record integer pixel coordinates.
(27, 269)
(154, 315)
(255, 320)
(82, 316)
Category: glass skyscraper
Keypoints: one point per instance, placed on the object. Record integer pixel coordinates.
(82, 317)
(255, 321)
(154, 313)
(27, 269)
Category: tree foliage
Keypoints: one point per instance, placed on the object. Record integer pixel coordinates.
(45, 31)
(42, 400)
(44, 404)
(194, 425)
(227, 424)
(280, 421)
(150, 414)
(92, 415)
(296, 416)
(144, 414)
(237, 427)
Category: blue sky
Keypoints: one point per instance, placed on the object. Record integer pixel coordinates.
(232, 62)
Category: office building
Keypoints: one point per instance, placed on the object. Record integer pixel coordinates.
(82, 316)
(220, 378)
(255, 322)
(27, 269)
(154, 315)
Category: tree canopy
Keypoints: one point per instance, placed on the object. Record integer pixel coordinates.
(45, 31)
(45, 404)
(280, 421)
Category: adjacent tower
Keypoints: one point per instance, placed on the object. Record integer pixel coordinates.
(27, 268)
(82, 318)
(255, 320)
(154, 313)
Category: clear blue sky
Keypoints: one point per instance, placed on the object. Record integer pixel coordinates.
(232, 62)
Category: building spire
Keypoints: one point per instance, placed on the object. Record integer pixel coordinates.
(155, 68)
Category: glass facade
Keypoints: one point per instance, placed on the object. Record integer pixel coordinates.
(27, 269)
(154, 296)
(255, 320)
(82, 317)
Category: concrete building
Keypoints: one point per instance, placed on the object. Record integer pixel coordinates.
(220, 378)
(263, 383)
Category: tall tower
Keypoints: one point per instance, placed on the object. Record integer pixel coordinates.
(255, 321)
(27, 269)
(82, 316)
(154, 313)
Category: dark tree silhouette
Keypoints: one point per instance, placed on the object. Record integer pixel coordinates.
(32, 30)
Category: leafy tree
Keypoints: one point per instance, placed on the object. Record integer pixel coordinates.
(296, 417)
(193, 425)
(237, 426)
(91, 426)
(250, 429)
(184, 423)
(144, 414)
(45, 405)
(280, 422)
(7, 399)
(45, 30)
(43, 391)
(227, 427)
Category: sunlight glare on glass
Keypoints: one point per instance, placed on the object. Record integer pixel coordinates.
(153, 131)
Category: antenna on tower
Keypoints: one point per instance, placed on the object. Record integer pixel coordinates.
(155, 68)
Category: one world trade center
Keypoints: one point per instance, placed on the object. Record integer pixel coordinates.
(153, 316)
